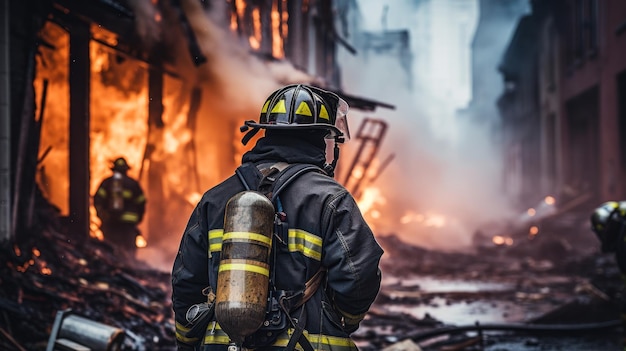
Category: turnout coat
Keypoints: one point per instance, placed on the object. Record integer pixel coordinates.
(325, 230)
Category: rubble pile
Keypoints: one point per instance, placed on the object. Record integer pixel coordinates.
(546, 288)
(50, 273)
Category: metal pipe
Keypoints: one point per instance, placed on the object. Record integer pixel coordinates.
(5, 125)
(96, 336)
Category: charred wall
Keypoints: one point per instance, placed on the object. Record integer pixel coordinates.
(25, 19)
(580, 55)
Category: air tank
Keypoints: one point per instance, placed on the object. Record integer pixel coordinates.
(243, 275)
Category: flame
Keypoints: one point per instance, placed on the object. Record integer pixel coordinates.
(255, 38)
(550, 200)
(140, 241)
(285, 17)
(534, 230)
(193, 198)
(119, 121)
(428, 219)
(277, 39)
(370, 197)
(502, 240)
(531, 212)
(358, 172)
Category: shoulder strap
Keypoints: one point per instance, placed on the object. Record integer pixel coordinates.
(289, 174)
(251, 177)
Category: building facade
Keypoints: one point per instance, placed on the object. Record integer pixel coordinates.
(571, 141)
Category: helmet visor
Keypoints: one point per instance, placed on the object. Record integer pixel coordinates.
(341, 121)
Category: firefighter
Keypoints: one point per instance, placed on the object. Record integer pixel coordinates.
(326, 231)
(120, 204)
(608, 222)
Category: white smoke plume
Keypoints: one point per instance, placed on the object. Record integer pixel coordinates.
(445, 180)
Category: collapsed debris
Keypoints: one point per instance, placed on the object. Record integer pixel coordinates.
(557, 295)
(50, 273)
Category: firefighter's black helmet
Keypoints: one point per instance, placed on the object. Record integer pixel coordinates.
(605, 222)
(300, 106)
(120, 165)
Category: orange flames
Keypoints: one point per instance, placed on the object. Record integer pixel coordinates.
(278, 25)
(35, 261)
(119, 119)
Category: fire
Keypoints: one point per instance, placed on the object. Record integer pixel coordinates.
(428, 219)
(118, 119)
(534, 230)
(193, 198)
(502, 240)
(531, 212)
(277, 39)
(358, 172)
(256, 37)
(369, 198)
(140, 241)
(550, 200)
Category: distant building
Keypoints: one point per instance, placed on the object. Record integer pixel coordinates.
(563, 107)
(496, 22)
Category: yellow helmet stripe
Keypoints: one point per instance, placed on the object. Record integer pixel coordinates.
(264, 109)
(247, 236)
(304, 109)
(279, 107)
(324, 113)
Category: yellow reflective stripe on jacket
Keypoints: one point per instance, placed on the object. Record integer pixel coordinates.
(127, 194)
(140, 199)
(319, 342)
(247, 236)
(308, 244)
(215, 240)
(102, 192)
(130, 217)
(215, 335)
(181, 332)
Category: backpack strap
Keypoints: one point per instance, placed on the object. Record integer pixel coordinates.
(277, 176)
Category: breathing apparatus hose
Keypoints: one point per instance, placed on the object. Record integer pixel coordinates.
(517, 327)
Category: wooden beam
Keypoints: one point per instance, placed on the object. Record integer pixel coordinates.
(79, 78)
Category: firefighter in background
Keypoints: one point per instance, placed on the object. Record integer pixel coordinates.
(608, 222)
(326, 231)
(120, 204)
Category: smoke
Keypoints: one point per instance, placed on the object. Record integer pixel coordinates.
(232, 85)
(445, 180)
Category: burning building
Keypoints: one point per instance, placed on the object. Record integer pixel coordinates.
(163, 83)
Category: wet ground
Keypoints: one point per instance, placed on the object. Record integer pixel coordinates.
(501, 301)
